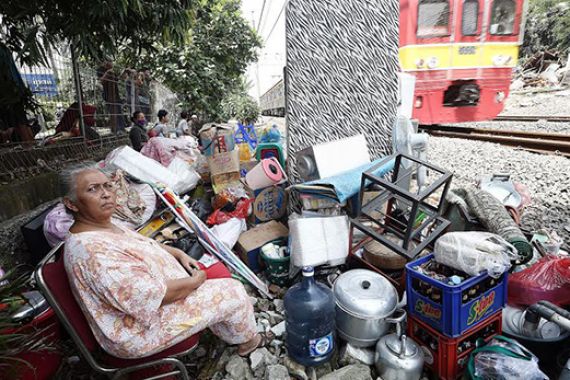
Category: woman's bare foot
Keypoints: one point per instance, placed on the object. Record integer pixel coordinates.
(247, 348)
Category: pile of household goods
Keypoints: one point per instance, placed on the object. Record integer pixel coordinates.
(379, 260)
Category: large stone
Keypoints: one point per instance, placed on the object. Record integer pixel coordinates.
(278, 329)
(238, 369)
(274, 317)
(262, 357)
(351, 372)
(276, 372)
(279, 305)
(355, 355)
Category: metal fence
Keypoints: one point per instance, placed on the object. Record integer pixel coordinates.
(84, 112)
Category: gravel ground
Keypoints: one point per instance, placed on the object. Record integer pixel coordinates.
(547, 177)
(540, 126)
(544, 103)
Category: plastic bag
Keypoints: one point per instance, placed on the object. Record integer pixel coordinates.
(187, 177)
(229, 231)
(241, 211)
(504, 359)
(548, 279)
(473, 252)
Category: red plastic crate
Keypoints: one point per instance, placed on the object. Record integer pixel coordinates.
(449, 356)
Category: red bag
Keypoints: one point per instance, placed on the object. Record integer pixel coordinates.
(241, 211)
(548, 279)
(151, 133)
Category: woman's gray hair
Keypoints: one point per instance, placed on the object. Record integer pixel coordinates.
(68, 178)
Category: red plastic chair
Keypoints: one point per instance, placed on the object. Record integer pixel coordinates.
(53, 283)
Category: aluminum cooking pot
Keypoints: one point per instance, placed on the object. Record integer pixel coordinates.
(364, 301)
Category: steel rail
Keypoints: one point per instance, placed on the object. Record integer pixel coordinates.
(532, 141)
(558, 119)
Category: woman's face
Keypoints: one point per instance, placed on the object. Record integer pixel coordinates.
(140, 117)
(96, 198)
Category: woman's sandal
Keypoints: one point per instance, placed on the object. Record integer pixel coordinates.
(265, 339)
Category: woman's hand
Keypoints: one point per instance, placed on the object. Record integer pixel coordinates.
(198, 277)
(188, 263)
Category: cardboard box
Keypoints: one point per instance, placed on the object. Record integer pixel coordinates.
(222, 163)
(224, 170)
(250, 242)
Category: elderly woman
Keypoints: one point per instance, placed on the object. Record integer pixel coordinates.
(139, 296)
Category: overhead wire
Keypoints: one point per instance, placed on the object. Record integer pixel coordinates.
(277, 20)
(261, 15)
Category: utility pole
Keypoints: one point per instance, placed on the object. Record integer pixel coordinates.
(256, 65)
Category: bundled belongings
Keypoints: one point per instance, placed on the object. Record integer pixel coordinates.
(474, 252)
(316, 241)
(179, 175)
(494, 217)
(164, 150)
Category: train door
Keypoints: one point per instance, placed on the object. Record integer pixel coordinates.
(467, 25)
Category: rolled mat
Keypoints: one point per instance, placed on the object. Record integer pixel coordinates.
(495, 218)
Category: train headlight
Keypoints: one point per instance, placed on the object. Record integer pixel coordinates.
(501, 60)
(500, 97)
(432, 63)
(420, 63)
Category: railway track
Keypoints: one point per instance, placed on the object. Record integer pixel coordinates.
(540, 142)
(556, 119)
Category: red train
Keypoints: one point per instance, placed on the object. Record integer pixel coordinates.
(462, 53)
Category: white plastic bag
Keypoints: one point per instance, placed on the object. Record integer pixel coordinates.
(187, 177)
(473, 252)
(179, 176)
(229, 231)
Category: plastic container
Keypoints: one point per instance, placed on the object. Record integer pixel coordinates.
(277, 269)
(448, 357)
(310, 321)
(450, 313)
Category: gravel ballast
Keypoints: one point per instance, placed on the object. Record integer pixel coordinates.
(546, 176)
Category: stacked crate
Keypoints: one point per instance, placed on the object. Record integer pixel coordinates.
(446, 320)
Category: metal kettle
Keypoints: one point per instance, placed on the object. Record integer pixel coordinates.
(397, 357)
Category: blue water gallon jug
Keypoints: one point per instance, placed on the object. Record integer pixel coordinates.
(310, 321)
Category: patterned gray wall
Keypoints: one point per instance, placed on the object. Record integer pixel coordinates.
(341, 74)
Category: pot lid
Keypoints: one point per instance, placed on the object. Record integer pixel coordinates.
(396, 344)
(365, 294)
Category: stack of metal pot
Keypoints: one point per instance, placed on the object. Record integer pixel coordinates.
(365, 306)
(365, 300)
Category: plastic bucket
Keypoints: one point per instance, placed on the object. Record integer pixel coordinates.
(276, 270)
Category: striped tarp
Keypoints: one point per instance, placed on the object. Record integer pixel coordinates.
(341, 74)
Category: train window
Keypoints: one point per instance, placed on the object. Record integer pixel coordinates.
(433, 18)
(469, 20)
(502, 17)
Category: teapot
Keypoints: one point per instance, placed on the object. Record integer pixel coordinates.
(398, 357)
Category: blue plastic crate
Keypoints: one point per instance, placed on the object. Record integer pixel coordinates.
(450, 315)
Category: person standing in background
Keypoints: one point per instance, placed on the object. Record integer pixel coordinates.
(161, 128)
(111, 96)
(194, 125)
(182, 128)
